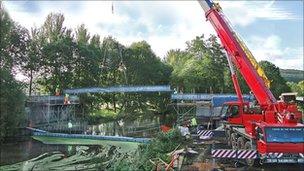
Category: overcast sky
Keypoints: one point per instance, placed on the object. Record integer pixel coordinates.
(273, 30)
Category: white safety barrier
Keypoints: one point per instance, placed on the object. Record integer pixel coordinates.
(274, 155)
(238, 154)
(205, 134)
(222, 153)
(246, 154)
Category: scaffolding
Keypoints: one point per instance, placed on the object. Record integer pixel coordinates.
(187, 106)
(51, 113)
(206, 108)
(186, 110)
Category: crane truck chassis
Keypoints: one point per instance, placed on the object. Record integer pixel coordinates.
(271, 131)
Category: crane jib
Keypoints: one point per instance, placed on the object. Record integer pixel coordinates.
(238, 52)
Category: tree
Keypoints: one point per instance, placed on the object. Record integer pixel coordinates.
(176, 59)
(87, 59)
(6, 37)
(11, 95)
(278, 84)
(143, 67)
(200, 68)
(297, 87)
(87, 70)
(30, 61)
(57, 54)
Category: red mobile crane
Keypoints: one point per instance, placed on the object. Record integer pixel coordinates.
(275, 127)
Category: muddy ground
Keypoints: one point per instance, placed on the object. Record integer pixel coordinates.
(204, 161)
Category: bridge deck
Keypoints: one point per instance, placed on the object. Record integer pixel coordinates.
(120, 89)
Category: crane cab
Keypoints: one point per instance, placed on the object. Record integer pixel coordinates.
(232, 112)
(237, 113)
(288, 97)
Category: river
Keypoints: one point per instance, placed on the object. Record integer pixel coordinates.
(17, 151)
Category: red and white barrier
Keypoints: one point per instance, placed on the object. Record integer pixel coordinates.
(239, 154)
(222, 153)
(247, 154)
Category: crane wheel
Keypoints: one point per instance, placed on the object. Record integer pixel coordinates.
(249, 162)
(240, 143)
(234, 140)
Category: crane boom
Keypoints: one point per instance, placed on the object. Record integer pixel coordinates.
(242, 123)
(254, 62)
(237, 52)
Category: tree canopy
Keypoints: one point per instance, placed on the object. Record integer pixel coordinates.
(53, 56)
(278, 84)
(200, 68)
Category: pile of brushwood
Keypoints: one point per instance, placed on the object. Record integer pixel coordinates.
(85, 159)
(107, 157)
(156, 150)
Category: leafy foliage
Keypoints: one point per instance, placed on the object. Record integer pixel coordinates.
(12, 105)
(297, 87)
(11, 95)
(200, 68)
(159, 147)
(102, 115)
(278, 84)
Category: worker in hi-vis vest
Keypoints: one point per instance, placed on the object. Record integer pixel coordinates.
(193, 124)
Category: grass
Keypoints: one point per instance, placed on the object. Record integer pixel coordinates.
(124, 146)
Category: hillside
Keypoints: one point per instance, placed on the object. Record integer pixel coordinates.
(292, 75)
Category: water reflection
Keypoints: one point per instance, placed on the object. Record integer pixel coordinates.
(138, 128)
(18, 151)
(13, 152)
